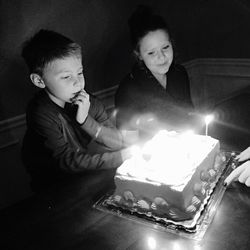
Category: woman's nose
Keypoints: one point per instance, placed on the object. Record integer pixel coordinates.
(161, 55)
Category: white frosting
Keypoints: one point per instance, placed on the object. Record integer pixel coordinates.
(168, 158)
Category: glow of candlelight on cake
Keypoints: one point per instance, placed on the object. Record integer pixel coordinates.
(208, 119)
(188, 133)
(166, 143)
(151, 243)
(135, 151)
(177, 246)
(150, 162)
(197, 247)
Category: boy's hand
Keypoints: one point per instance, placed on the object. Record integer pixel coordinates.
(130, 137)
(244, 155)
(242, 174)
(83, 103)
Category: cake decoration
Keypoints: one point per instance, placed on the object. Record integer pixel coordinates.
(172, 175)
(188, 213)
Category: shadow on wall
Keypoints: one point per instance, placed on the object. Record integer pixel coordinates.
(14, 181)
(209, 29)
(15, 88)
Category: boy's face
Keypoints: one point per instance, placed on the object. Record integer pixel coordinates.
(63, 79)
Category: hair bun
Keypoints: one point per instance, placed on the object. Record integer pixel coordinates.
(142, 21)
(141, 14)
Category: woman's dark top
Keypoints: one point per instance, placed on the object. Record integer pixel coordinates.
(143, 103)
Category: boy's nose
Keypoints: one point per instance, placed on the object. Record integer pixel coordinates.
(79, 82)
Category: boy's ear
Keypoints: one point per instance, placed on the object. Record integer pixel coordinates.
(37, 80)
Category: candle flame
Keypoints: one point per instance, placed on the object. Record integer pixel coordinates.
(208, 119)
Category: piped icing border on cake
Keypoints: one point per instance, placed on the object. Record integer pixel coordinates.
(171, 216)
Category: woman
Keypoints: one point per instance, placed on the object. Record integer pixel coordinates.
(156, 93)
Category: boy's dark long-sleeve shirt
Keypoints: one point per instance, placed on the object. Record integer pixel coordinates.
(55, 144)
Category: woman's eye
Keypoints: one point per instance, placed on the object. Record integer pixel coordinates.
(80, 73)
(166, 47)
(65, 77)
(150, 53)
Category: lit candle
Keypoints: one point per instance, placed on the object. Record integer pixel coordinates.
(208, 119)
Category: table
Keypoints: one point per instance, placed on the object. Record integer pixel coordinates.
(65, 219)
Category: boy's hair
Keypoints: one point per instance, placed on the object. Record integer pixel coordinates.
(46, 46)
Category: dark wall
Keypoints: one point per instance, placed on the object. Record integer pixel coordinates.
(209, 28)
(100, 26)
(214, 28)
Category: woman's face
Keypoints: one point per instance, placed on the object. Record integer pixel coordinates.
(156, 51)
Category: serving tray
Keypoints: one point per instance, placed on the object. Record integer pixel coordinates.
(195, 228)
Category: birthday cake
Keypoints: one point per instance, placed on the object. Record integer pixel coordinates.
(171, 176)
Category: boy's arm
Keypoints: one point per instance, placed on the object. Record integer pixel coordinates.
(101, 129)
(108, 136)
(70, 158)
(78, 161)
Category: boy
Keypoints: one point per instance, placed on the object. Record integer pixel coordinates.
(62, 119)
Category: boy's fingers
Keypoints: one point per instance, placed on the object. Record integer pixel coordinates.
(79, 95)
(83, 97)
(234, 174)
(83, 93)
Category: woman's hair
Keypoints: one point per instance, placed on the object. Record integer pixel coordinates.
(142, 21)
